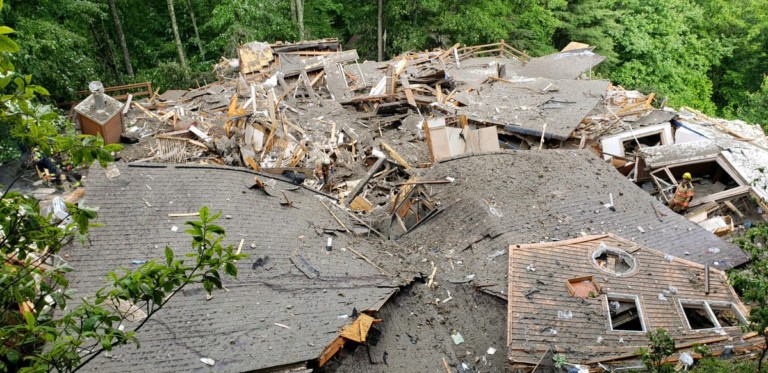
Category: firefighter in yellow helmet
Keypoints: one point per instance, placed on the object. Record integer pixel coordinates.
(683, 194)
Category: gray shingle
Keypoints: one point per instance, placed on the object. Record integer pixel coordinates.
(544, 196)
(237, 328)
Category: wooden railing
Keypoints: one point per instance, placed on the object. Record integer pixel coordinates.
(495, 49)
(137, 89)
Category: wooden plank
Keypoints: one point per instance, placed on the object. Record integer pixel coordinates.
(145, 111)
(127, 104)
(428, 137)
(407, 90)
(361, 184)
(399, 159)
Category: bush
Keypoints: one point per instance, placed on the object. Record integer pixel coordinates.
(713, 365)
(170, 75)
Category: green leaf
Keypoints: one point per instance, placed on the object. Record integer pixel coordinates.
(12, 356)
(4, 30)
(168, 255)
(230, 269)
(113, 147)
(30, 318)
(8, 45)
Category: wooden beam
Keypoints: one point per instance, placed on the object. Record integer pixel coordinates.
(399, 159)
(361, 184)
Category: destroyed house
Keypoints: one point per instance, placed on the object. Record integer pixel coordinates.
(483, 203)
(301, 284)
(594, 300)
(726, 159)
(506, 197)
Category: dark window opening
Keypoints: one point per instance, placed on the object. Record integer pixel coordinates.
(708, 177)
(726, 315)
(624, 315)
(698, 317)
(647, 141)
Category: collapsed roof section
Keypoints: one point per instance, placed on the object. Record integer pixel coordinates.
(594, 300)
(290, 299)
(531, 106)
(500, 198)
(282, 107)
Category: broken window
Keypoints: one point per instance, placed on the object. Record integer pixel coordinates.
(624, 313)
(631, 146)
(707, 315)
(614, 261)
(698, 316)
(727, 314)
(583, 287)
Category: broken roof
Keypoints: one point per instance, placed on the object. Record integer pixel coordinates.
(590, 328)
(525, 105)
(664, 155)
(563, 65)
(542, 196)
(272, 314)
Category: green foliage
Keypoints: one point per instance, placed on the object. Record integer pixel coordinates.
(661, 51)
(594, 23)
(559, 361)
(660, 346)
(754, 108)
(752, 281)
(236, 22)
(710, 54)
(170, 75)
(95, 324)
(714, 365)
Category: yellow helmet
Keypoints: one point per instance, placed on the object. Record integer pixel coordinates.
(687, 176)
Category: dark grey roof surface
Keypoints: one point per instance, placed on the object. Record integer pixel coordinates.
(498, 199)
(665, 155)
(525, 105)
(562, 65)
(236, 328)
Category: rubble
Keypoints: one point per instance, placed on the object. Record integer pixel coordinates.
(431, 178)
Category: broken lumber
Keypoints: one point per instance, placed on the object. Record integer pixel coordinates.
(399, 159)
(360, 185)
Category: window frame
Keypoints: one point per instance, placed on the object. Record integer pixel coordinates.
(707, 304)
(625, 298)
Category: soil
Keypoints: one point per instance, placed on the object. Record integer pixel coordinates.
(417, 328)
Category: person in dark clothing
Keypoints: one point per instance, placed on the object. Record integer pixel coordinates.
(45, 166)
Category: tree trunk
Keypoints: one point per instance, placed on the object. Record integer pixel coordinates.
(293, 11)
(300, 17)
(194, 26)
(762, 356)
(121, 38)
(380, 38)
(109, 55)
(175, 27)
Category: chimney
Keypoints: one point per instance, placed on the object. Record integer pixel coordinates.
(97, 90)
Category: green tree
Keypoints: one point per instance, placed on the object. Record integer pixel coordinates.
(593, 22)
(661, 50)
(742, 27)
(754, 108)
(752, 282)
(660, 346)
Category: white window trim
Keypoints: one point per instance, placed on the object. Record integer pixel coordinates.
(706, 304)
(625, 298)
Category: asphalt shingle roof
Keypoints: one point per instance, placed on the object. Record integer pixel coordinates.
(238, 327)
(508, 197)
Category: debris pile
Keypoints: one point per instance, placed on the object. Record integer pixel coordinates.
(393, 139)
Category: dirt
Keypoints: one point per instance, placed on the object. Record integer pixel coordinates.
(417, 328)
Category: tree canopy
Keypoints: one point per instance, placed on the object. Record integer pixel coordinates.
(708, 54)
